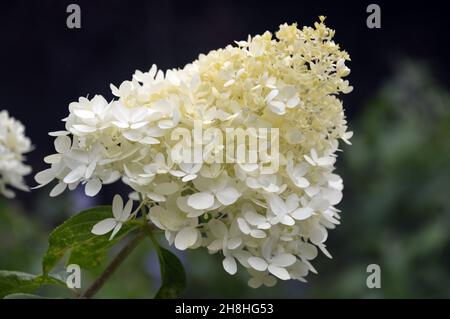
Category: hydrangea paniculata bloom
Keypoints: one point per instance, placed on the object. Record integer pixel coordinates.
(273, 224)
(13, 145)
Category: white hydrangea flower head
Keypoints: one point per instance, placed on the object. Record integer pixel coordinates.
(273, 224)
(13, 145)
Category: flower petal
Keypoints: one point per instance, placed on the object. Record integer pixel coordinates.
(243, 226)
(116, 230)
(126, 211)
(234, 243)
(302, 213)
(75, 175)
(93, 187)
(62, 144)
(283, 260)
(257, 263)
(255, 282)
(104, 226)
(45, 177)
(202, 200)
(230, 265)
(117, 206)
(271, 95)
(218, 228)
(58, 189)
(186, 238)
(269, 281)
(228, 195)
(167, 188)
(277, 205)
(318, 234)
(279, 272)
(307, 251)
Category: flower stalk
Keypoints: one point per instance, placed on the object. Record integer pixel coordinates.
(112, 267)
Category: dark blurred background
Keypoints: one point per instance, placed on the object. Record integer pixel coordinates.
(397, 175)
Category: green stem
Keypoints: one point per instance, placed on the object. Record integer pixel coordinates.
(123, 254)
(148, 229)
(112, 267)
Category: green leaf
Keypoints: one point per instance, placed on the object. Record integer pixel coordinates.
(12, 282)
(172, 274)
(24, 296)
(74, 237)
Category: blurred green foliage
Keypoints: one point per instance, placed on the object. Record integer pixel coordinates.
(396, 213)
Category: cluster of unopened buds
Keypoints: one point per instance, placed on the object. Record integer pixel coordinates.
(271, 215)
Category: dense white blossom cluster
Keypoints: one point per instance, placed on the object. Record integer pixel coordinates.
(273, 224)
(13, 145)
